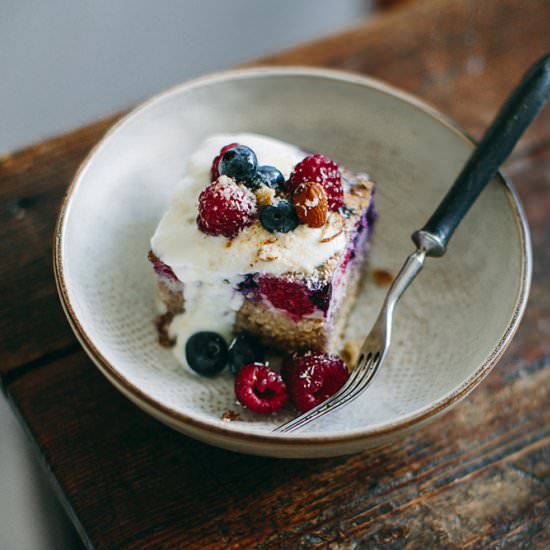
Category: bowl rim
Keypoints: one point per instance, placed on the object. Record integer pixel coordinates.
(179, 419)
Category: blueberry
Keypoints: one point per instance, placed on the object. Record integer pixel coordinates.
(206, 353)
(279, 217)
(266, 175)
(239, 163)
(244, 349)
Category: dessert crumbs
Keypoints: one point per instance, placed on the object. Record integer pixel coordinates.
(162, 322)
(350, 353)
(230, 415)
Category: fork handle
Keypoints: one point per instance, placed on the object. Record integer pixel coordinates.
(514, 117)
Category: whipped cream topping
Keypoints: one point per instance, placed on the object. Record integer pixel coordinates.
(192, 255)
(210, 267)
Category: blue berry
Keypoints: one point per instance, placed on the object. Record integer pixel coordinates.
(266, 175)
(206, 353)
(244, 349)
(280, 217)
(239, 163)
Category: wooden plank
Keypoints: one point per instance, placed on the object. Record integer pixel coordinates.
(452, 55)
(463, 56)
(531, 175)
(32, 185)
(478, 474)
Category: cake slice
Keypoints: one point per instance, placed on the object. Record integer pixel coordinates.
(261, 237)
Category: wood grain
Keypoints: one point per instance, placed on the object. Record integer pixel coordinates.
(477, 478)
(32, 185)
(481, 472)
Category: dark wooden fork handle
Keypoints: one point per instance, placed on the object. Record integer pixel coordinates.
(514, 117)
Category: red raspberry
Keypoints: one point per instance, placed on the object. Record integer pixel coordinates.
(214, 173)
(324, 171)
(260, 389)
(225, 208)
(313, 377)
(161, 269)
(292, 296)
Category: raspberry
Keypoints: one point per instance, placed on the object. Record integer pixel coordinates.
(320, 169)
(225, 208)
(160, 267)
(214, 172)
(292, 296)
(313, 377)
(260, 389)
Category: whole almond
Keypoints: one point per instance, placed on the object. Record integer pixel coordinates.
(310, 200)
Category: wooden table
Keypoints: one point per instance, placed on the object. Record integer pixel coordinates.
(478, 477)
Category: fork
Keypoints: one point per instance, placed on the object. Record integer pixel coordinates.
(517, 113)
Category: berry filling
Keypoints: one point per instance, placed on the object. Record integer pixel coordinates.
(291, 296)
(161, 269)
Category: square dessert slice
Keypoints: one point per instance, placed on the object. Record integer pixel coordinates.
(308, 311)
(274, 251)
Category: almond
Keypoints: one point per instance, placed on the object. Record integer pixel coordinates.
(310, 200)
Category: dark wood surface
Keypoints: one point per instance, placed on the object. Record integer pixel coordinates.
(478, 477)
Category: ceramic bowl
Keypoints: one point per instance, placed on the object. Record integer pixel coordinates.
(451, 326)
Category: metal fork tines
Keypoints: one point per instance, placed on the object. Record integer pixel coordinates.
(372, 354)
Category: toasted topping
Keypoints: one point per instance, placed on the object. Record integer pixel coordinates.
(334, 228)
(265, 195)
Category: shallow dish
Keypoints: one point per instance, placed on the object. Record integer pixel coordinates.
(451, 327)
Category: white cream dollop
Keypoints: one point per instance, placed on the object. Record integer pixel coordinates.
(190, 253)
(210, 267)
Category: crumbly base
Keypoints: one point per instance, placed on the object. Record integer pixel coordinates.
(277, 329)
(171, 295)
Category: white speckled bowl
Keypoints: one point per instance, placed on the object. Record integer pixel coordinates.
(452, 325)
